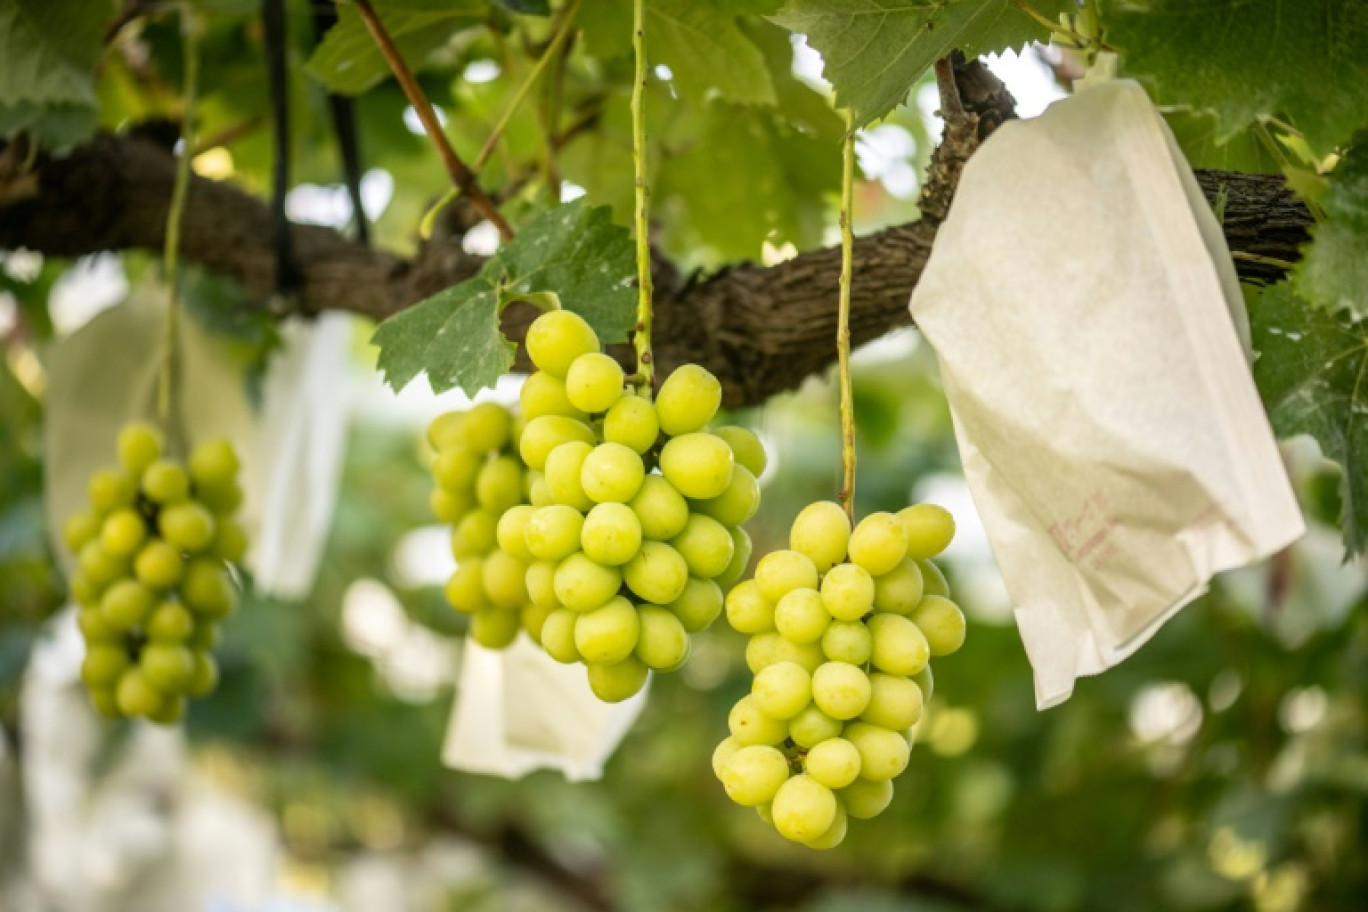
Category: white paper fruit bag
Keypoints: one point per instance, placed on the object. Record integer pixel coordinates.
(518, 710)
(1089, 327)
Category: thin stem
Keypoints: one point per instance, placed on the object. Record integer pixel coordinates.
(461, 175)
(642, 336)
(843, 319)
(179, 191)
(521, 94)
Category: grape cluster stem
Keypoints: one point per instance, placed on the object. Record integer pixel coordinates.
(642, 336)
(847, 496)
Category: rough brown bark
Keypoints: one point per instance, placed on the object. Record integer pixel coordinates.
(761, 329)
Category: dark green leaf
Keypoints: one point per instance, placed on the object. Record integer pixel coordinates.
(48, 52)
(1312, 373)
(1333, 274)
(527, 7)
(1247, 60)
(1195, 132)
(876, 50)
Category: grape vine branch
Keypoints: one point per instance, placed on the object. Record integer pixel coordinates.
(760, 329)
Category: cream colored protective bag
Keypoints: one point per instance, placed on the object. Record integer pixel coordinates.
(1091, 337)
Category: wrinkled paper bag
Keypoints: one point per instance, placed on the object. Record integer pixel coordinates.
(518, 710)
(1091, 337)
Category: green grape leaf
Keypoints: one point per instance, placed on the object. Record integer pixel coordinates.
(572, 255)
(875, 51)
(1333, 273)
(1312, 372)
(48, 52)
(1196, 134)
(699, 40)
(348, 62)
(1247, 60)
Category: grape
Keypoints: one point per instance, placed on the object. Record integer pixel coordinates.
(847, 641)
(538, 491)
(698, 465)
(556, 339)
(543, 394)
(445, 430)
(206, 588)
(563, 467)
(125, 604)
(942, 622)
(103, 665)
(84, 592)
(79, 529)
(612, 473)
(106, 702)
(879, 543)
(206, 675)
(165, 482)
(456, 468)
(933, 581)
(657, 574)
(840, 690)
(698, 605)
(171, 711)
(544, 434)
(110, 489)
(582, 585)
(899, 590)
(801, 617)
(782, 690)
(213, 464)
(486, 428)
(848, 592)
(499, 485)
(750, 452)
(99, 567)
(748, 611)
(187, 525)
(725, 750)
(895, 702)
(122, 533)
(465, 589)
(541, 584)
(632, 422)
(822, 532)
(687, 400)
(929, 529)
(158, 565)
(749, 725)
(926, 682)
(170, 623)
(615, 683)
(812, 726)
(230, 542)
(553, 533)
(205, 637)
(741, 555)
(767, 648)
(446, 506)
(611, 534)
(738, 503)
(608, 634)
(834, 763)
(753, 774)
(136, 695)
(835, 834)
(504, 578)
(706, 546)
(533, 618)
(663, 643)
(139, 446)
(558, 636)
(95, 628)
(167, 667)
(494, 628)
(222, 501)
(780, 572)
(899, 646)
(511, 531)
(662, 511)
(803, 808)
(883, 753)
(593, 382)
(477, 533)
(864, 799)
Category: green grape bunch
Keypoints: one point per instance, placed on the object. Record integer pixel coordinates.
(633, 526)
(482, 488)
(842, 628)
(153, 579)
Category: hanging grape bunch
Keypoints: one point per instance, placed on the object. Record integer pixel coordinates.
(842, 627)
(152, 578)
(482, 489)
(636, 509)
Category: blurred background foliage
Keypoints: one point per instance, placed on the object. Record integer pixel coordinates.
(1224, 767)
